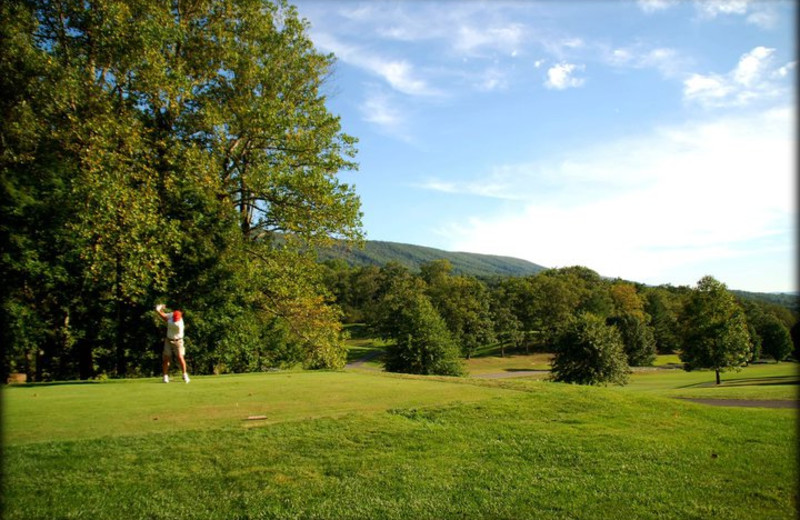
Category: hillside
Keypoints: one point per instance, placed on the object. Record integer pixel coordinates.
(788, 300)
(411, 256)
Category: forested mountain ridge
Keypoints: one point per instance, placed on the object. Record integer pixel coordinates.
(471, 264)
(379, 253)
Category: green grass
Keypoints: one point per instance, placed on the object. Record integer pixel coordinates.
(72, 411)
(779, 381)
(768, 381)
(372, 445)
(510, 363)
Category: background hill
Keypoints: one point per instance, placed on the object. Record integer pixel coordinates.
(481, 266)
(411, 256)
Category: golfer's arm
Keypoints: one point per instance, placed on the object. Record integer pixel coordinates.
(163, 315)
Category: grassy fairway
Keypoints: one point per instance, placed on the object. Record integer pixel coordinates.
(370, 445)
(35, 413)
(767, 381)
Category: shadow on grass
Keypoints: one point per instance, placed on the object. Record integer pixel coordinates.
(525, 370)
(753, 381)
(764, 381)
(56, 383)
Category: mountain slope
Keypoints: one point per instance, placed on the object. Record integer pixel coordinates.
(411, 256)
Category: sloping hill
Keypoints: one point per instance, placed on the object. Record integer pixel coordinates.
(411, 256)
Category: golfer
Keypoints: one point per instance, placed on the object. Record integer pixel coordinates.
(173, 343)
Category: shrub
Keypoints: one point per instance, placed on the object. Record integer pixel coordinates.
(590, 352)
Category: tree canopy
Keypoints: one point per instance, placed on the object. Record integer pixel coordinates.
(716, 330)
(166, 150)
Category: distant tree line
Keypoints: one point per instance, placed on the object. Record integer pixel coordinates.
(597, 327)
(151, 152)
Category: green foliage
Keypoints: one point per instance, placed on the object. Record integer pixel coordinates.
(422, 343)
(590, 352)
(507, 327)
(716, 329)
(463, 303)
(153, 150)
(665, 304)
(637, 339)
(776, 341)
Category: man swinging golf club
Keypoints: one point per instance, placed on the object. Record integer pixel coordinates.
(173, 343)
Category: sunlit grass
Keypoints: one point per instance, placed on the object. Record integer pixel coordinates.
(35, 413)
(361, 445)
(509, 363)
(762, 381)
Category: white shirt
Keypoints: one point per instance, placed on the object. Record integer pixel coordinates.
(174, 328)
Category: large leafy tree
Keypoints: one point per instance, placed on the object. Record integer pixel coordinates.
(716, 330)
(403, 314)
(633, 323)
(664, 304)
(157, 129)
(463, 303)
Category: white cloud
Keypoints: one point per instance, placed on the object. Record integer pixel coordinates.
(492, 79)
(664, 59)
(472, 39)
(560, 76)
(380, 109)
(712, 8)
(754, 78)
(399, 74)
(765, 17)
(654, 209)
(761, 14)
(651, 6)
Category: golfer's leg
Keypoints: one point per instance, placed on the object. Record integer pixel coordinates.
(165, 364)
(182, 362)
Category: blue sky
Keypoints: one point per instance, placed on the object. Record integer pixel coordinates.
(652, 140)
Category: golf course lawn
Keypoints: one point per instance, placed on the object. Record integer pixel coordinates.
(365, 444)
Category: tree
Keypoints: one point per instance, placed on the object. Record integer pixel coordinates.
(775, 339)
(794, 332)
(665, 306)
(507, 327)
(182, 145)
(716, 330)
(422, 344)
(633, 323)
(589, 352)
(637, 339)
(463, 303)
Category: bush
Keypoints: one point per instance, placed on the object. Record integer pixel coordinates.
(423, 345)
(637, 339)
(590, 352)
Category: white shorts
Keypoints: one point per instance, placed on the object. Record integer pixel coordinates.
(174, 348)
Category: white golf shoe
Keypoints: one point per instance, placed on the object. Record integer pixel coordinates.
(166, 378)
(185, 377)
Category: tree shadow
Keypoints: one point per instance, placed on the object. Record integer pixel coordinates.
(53, 383)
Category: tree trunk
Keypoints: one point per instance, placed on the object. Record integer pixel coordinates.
(717, 371)
(118, 340)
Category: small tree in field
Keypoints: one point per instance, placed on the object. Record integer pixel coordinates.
(590, 352)
(776, 341)
(716, 330)
(423, 345)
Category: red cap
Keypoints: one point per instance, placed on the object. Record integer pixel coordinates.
(177, 315)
